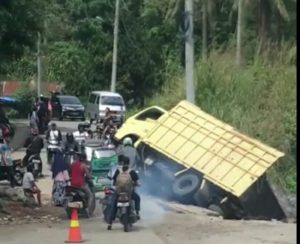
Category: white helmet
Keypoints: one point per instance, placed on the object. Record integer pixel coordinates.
(127, 141)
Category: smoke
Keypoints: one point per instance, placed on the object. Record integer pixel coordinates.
(152, 212)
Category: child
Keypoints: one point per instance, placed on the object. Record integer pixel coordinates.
(29, 185)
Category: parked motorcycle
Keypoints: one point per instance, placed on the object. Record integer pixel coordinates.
(18, 171)
(36, 161)
(125, 208)
(77, 195)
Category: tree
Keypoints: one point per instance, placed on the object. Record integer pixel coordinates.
(265, 10)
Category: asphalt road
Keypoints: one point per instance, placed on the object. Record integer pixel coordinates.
(158, 225)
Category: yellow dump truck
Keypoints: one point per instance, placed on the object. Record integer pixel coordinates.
(190, 154)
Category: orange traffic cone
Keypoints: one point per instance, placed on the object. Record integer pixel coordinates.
(74, 231)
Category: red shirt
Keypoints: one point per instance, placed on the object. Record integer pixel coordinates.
(77, 174)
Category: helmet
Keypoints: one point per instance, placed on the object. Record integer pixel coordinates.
(127, 141)
(69, 137)
(80, 126)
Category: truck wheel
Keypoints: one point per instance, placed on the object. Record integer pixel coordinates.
(216, 208)
(201, 200)
(186, 184)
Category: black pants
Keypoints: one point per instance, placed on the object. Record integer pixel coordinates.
(10, 173)
(114, 201)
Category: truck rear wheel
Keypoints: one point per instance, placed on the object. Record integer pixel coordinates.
(186, 184)
(201, 200)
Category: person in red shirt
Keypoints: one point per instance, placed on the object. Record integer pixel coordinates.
(79, 173)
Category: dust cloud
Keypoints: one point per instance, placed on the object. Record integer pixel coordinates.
(152, 212)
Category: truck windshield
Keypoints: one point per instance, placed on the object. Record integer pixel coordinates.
(107, 100)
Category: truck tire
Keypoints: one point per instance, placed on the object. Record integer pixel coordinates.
(216, 208)
(201, 200)
(186, 184)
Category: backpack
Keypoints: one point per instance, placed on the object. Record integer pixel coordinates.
(124, 183)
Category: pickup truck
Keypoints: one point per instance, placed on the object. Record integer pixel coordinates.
(189, 154)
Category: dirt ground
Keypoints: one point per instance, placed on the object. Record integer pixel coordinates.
(188, 228)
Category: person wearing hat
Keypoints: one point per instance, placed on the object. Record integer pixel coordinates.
(128, 150)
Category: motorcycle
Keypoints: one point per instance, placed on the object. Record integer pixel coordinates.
(36, 161)
(18, 171)
(125, 208)
(76, 195)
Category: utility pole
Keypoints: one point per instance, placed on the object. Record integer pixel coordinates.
(39, 65)
(239, 33)
(115, 48)
(189, 52)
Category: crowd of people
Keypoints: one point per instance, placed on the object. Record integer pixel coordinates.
(77, 172)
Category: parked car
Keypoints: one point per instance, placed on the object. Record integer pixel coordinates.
(67, 107)
(100, 100)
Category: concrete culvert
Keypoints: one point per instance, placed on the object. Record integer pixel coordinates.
(186, 184)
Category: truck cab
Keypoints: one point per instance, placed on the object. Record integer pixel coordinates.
(140, 124)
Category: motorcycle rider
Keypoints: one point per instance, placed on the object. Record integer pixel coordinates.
(70, 143)
(110, 129)
(135, 180)
(33, 144)
(54, 139)
(108, 117)
(80, 136)
(129, 151)
(79, 173)
(70, 146)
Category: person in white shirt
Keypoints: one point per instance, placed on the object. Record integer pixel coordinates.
(80, 136)
(54, 139)
(29, 185)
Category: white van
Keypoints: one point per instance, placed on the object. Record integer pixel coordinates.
(100, 100)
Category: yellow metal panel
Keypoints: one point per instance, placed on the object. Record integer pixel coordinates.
(224, 156)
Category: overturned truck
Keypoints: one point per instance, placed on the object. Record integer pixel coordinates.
(192, 157)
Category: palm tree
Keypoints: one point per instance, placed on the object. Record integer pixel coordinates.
(265, 8)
